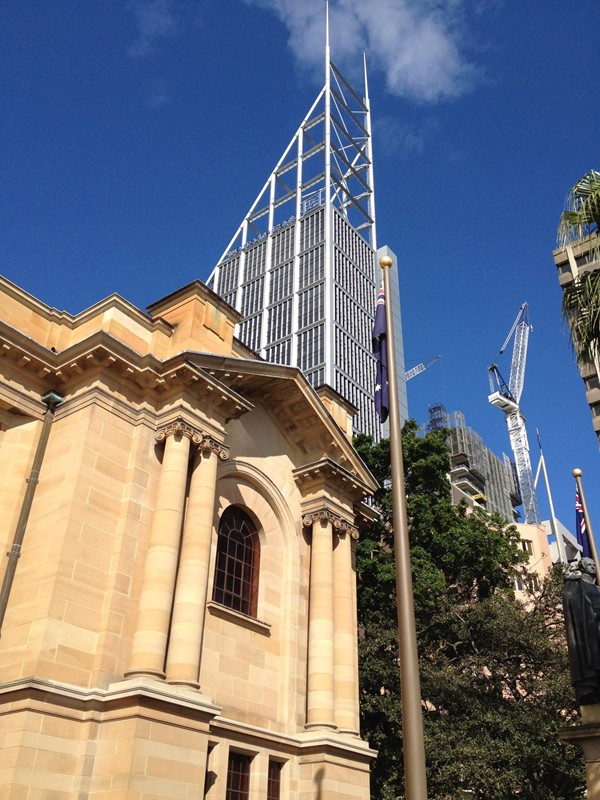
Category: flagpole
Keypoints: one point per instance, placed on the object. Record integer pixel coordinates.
(412, 715)
(588, 523)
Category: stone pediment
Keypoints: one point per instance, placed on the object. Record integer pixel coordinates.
(297, 410)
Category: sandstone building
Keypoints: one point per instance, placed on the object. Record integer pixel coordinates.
(178, 609)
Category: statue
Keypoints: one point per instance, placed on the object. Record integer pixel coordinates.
(581, 605)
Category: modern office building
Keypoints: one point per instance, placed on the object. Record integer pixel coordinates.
(575, 262)
(302, 268)
(477, 475)
(178, 605)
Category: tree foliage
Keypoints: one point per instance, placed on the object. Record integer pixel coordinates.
(581, 216)
(581, 298)
(494, 674)
(581, 312)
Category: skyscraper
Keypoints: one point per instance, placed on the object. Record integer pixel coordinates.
(301, 268)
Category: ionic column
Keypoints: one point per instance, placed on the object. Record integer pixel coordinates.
(152, 627)
(345, 636)
(320, 697)
(189, 608)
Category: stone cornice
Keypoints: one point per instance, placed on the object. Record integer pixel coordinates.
(101, 352)
(328, 473)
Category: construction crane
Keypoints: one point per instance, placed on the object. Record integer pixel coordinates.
(420, 367)
(506, 397)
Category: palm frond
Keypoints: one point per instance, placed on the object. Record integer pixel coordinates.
(581, 216)
(581, 312)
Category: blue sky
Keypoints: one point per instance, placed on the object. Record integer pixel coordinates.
(135, 134)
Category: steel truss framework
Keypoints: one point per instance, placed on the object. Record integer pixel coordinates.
(301, 267)
(508, 399)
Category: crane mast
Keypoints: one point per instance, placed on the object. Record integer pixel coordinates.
(507, 398)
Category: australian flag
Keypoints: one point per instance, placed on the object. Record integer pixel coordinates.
(380, 352)
(581, 529)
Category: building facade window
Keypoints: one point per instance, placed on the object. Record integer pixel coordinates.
(274, 780)
(238, 777)
(237, 563)
(527, 546)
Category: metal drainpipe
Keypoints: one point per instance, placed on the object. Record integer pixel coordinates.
(51, 400)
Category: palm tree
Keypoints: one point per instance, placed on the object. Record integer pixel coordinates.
(581, 297)
(581, 216)
(581, 311)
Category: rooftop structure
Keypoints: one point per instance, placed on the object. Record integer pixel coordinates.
(301, 268)
(477, 475)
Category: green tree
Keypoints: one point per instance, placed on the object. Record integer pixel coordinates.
(494, 674)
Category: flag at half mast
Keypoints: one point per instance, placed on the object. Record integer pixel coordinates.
(382, 405)
(581, 528)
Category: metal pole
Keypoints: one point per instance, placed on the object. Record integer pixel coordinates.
(588, 523)
(51, 399)
(560, 543)
(412, 715)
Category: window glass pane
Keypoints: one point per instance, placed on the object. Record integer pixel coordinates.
(238, 777)
(274, 780)
(236, 570)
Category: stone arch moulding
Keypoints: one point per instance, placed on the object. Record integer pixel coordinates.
(281, 575)
(261, 496)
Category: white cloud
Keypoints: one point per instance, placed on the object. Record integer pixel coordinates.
(416, 44)
(394, 137)
(155, 20)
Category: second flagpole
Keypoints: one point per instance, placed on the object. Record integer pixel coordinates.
(412, 715)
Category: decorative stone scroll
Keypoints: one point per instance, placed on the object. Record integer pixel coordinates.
(340, 525)
(210, 445)
(205, 443)
(178, 429)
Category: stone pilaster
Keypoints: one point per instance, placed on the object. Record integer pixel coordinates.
(345, 632)
(156, 596)
(320, 687)
(189, 608)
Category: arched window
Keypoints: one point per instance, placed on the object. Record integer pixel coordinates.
(238, 554)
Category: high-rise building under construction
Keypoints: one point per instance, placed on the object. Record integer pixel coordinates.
(477, 475)
(301, 268)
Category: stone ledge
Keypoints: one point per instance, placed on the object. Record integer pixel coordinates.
(146, 692)
(217, 610)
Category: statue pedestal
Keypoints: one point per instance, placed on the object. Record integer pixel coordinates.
(587, 736)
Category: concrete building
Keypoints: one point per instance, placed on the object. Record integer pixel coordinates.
(178, 606)
(534, 542)
(303, 267)
(573, 262)
(478, 477)
(572, 549)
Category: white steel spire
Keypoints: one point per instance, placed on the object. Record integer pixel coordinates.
(301, 268)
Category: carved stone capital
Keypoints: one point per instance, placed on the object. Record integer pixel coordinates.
(205, 443)
(179, 428)
(210, 446)
(340, 525)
